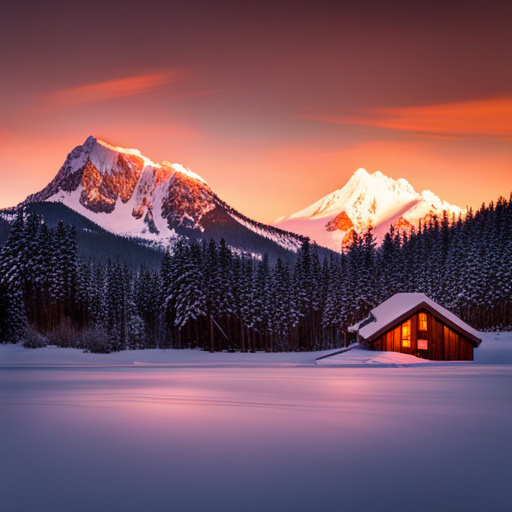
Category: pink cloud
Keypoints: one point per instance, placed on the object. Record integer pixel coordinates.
(490, 117)
(112, 89)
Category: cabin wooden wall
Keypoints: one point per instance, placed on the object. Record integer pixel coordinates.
(444, 344)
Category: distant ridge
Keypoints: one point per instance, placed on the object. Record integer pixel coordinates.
(366, 200)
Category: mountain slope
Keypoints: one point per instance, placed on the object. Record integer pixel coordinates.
(93, 241)
(367, 199)
(127, 194)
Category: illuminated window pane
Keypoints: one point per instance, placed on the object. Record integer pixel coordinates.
(406, 334)
(423, 322)
(422, 345)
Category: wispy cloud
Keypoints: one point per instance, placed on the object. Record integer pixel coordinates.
(112, 89)
(194, 94)
(491, 117)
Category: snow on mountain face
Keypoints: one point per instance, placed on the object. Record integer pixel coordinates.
(367, 199)
(127, 194)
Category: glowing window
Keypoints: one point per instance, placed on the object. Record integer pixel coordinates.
(423, 322)
(422, 345)
(406, 334)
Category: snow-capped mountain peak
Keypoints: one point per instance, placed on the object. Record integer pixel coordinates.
(366, 200)
(128, 194)
(184, 170)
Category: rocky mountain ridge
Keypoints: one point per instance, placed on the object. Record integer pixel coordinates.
(127, 194)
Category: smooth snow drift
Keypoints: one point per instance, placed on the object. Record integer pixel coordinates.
(276, 438)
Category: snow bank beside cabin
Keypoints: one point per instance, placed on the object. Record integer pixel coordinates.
(496, 348)
(362, 357)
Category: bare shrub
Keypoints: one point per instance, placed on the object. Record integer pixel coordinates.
(34, 339)
(95, 340)
(64, 335)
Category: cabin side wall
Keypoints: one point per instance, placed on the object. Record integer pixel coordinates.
(443, 343)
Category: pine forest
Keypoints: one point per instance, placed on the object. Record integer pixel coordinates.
(209, 297)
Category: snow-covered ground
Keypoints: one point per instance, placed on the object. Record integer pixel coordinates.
(496, 348)
(358, 356)
(230, 432)
(18, 355)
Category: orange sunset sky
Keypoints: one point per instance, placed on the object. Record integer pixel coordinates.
(275, 104)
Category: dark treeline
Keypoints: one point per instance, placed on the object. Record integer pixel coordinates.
(48, 294)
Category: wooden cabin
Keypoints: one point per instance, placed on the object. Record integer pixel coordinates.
(412, 323)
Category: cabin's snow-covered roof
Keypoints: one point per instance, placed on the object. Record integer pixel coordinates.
(399, 305)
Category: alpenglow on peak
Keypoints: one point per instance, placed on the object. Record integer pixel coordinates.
(367, 200)
(128, 194)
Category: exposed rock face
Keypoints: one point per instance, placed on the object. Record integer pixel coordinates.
(402, 224)
(68, 179)
(103, 175)
(149, 220)
(341, 222)
(348, 238)
(186, 202)
(100, 173)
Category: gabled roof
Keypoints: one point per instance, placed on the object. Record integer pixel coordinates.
(402, 305)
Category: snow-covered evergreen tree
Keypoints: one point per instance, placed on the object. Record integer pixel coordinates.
(13, 318)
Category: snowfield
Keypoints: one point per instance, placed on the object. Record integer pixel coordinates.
(56, 356)
(192, 431)
(496, 348)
